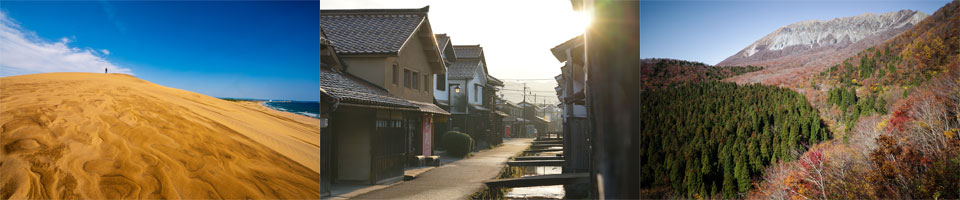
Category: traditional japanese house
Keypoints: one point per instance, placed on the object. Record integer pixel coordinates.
(469, 80)
(514, 119)
(536, 123)
(393, 51)
(495, 118)
(361, 123)
(442, 91)
(570, 92)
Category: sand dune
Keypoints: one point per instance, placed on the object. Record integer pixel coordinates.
(109, 136)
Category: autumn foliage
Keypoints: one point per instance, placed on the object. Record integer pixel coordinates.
(916, 151)
(662, 73)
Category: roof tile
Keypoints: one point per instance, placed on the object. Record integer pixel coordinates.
(468, 51)
(442, 40)
(351, 89)
(463, 69)
(365, 31)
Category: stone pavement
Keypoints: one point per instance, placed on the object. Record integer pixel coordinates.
(457, 180)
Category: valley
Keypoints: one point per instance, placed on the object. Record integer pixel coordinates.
(877, 105)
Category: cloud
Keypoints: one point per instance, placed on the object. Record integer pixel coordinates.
(105, 52)
(23, 52)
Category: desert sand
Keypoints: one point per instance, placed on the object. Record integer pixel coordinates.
(109, 136)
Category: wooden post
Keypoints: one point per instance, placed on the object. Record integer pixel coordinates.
(612, 92)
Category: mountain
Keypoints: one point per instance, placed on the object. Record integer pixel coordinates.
(661, 72)
(817, 44)
(114, 136)
(906, 149)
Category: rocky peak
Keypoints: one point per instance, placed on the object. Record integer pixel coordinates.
(838, 31)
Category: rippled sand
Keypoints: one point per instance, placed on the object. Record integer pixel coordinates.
(109, 136)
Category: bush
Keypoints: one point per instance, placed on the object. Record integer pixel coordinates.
(457, 143)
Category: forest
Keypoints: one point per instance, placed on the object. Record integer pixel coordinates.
(913, 150)
(852, 107)
(713, 139)
(662, 73)
(898, 102)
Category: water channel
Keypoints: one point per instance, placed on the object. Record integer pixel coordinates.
(539, 192)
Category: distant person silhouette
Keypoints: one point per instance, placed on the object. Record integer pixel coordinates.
(104, 70)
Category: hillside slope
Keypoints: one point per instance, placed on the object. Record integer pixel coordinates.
(712, 139)
(109, 136)
(794, 51)
(907, 149)
(662, 72)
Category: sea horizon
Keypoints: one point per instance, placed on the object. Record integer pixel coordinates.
(305, 108)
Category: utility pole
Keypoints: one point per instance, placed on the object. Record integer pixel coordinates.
(523, 116)
(534, 98)
(535, 113)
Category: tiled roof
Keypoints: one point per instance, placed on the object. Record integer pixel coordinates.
(494, 81)
(463, 69)
(442, 40)
(478, 108)
(350, 89)
(558, 51)
(430, 108)
(323, 38)
(512, 104)
(370, 30)
(468, 51)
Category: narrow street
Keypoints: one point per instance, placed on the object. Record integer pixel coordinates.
(457, 180)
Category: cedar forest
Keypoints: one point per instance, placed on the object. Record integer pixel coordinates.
(709, 139)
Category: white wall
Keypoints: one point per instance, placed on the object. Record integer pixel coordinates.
(574, 74)
(479, 77)
(440, 94)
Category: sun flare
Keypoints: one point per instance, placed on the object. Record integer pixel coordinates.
(581, 21)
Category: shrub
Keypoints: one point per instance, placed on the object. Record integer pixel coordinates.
(457, 143)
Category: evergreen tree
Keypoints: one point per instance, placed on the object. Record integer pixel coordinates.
(717, 137)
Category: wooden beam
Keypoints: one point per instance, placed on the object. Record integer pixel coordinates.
(539, 158)
(529, 163)
(541, 150)
(545, 145)
(541, 180)
(547, 142)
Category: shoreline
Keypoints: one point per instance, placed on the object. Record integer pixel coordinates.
(307, 114)
(261, 105)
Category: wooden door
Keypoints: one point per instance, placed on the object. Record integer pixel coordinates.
(389, 151)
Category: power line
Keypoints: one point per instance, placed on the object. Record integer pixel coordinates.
(528, 90)
(531, 92)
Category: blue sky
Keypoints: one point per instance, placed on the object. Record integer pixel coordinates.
(710, 31)
(266, 50)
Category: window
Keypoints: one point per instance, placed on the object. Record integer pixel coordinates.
(441, 82)
(416, 80)
(406, 78)
(476, 92)
(426, 82)
(396, 74)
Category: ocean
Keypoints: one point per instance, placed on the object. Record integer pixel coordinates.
(306, 108)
